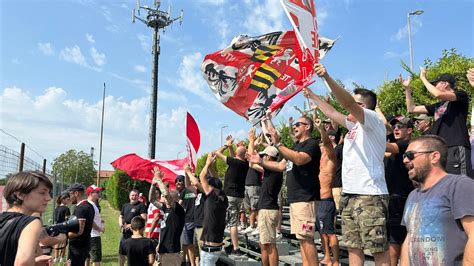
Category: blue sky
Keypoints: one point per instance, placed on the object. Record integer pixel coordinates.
(55, 56)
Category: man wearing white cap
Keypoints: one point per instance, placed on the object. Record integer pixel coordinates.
(423, 124)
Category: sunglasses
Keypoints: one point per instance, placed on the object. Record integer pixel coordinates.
(399, 126)
(179, 180)
(410, 155)
(297, 124)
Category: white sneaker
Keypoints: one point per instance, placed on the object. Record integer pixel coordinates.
(248, 230)
(278, 236)
(255, 231)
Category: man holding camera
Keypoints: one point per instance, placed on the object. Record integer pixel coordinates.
(80, 242)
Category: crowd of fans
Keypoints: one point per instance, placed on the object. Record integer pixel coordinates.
(403, 199)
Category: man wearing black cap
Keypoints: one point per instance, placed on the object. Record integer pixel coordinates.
(79, 244)
(398, 183)
(450, 117)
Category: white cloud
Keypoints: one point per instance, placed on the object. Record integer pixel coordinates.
(99, 58)
(73, 55)
(139, 68)
(190, 77)
(144, 42)
(90, 38)
(264, 17)
(46, 48)
(402, 33)
(106, 13)
(212, 2)
(54, 123)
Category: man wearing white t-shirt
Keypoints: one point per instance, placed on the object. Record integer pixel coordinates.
(364, 217)
(95, 254)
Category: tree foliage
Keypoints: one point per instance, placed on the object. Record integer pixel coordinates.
(73, 166)
(118, 187)
(391, 94)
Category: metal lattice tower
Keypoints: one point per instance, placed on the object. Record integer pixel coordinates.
(157, 20)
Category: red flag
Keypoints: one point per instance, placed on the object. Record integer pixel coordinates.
(193, 140)
(139, 168)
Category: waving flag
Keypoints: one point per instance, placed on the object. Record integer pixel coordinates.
(139, 168)
(193, 140)
(247, 75)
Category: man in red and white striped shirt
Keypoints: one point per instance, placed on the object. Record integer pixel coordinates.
(154, 216)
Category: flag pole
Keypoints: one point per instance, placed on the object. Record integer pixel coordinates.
(101, 136)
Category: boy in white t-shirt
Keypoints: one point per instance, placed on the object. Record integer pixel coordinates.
(364, 217)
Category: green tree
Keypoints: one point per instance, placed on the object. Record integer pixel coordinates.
(391, 94)
(73, 166)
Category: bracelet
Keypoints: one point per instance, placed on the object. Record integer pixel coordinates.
(278, 145)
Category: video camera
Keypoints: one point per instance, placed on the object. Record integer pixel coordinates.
(71, 225)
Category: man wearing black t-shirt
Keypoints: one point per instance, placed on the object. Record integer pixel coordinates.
(450, 117)
(130, 210)
(302, 166)
(234, 186)
(79, 243)
(268, 204)
(399, 184)
(186, 199)
(172, 225)
(215, 208)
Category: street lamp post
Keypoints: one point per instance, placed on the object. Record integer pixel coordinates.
(414, 13)
(222, 135)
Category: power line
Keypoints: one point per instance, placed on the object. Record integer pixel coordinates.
(27, 146)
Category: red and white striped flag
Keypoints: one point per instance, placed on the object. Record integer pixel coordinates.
(193, 140)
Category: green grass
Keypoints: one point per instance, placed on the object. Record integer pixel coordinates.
(111, 237)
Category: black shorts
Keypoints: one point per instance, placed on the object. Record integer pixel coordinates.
(325, 216)
(396, 231)
(96, 249)
(459, 161)
(78, 255)
(187, 236)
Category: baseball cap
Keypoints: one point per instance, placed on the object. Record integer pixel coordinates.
(270, 151)
(445, 77)
(214, 182)
(179, 178)
(402, 120)
(76, 187)
(422, 117)
(93, 188)
(332, 133)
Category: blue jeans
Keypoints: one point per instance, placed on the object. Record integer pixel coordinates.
(209, 258)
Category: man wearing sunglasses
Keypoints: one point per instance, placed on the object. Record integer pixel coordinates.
(398, 183)
(423, 124)
(450, 117)
(364, 218)
(439, 215)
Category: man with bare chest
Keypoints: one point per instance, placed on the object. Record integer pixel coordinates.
(327, 207)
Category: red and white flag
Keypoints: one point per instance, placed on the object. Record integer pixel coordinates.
(193, 140)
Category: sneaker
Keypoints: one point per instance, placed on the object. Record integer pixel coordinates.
(237, 253)
(255, 231)
(241, 228)
(278, 236)
(248, 230)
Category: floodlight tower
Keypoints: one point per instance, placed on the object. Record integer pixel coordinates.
(157, 20)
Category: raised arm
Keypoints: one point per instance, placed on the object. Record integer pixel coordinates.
(206, 188)
(441, 95)
(229, 144)
(342, 96)
(158, 179)
(190, 180)
(327, 143)
(325, 107)
(411, 107)
(251, 149)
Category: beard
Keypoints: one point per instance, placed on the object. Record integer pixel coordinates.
(421, 173)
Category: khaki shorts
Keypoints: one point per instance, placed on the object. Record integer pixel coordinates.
(171, 259)
(303, 219)
(364, 223)
(197, 238)
(267, 224)
(336, 194)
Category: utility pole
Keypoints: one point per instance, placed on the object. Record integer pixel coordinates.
(101, 137)
(157, 20)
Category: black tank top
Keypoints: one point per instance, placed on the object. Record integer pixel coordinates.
(11, 226)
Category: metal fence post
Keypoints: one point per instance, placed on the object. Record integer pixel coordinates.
(22, 157)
